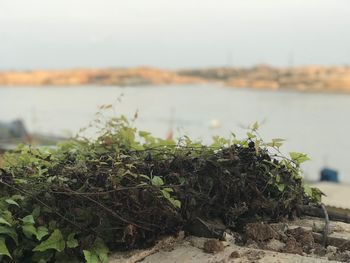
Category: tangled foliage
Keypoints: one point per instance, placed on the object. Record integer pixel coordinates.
(85, 198)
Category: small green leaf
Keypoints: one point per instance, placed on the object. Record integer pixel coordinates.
(101, 250)
(71, 241)
(144, 133)
(176, 203)
(157, 181)
(308, 190)
(90, 257)
(298, 158)
(144, 176)
(255, 126)
(98, 253)
(29, 230)
(28, 219)
(41, 232)
(11, 202)
(166, 194)
(36, 212)
(20, 181)
(9, 232)
(55, 241)
(277, 142)
(250, 135)
(281, 187)
(17, 197)
(3, 248)
(4, 222)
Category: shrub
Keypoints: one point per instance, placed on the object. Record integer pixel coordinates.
(124, 189)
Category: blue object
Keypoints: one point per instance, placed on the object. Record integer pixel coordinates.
(329, 175)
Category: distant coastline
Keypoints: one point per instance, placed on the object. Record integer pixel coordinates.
(77, 77)
(308, 78)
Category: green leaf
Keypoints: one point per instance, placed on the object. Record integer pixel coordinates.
(9, 232)
(101, 250)
(20, 181)
(11, 202)
(98, 253)
(316, 195)
(29, 230)
(17, 197)
(157, 181)
(4, 222)
(144, 176)
(277, 142)
(144, 133)
(28, 219)
(175, 203)
(71, 241)
(219, 142)
(308, 190)
(281, 187)
(166, 194)
(36, 212)
(90, 257)
(298, 158)
(3, 248)
(55, 241)
(255, 126)
(251, 135)
(41, 232)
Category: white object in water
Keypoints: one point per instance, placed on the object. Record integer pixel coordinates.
(214, 124)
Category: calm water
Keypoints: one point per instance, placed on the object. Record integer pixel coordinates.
(317, 124)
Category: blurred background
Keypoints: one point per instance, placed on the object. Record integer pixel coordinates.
(199, 68)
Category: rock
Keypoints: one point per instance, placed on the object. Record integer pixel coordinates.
(303, 236)
(280, 228)
(213, 246)
(331, 250)
(292, 246)
(197, 242)
(260, 232)
(251, 244)
(343, 256)
(319, 250)
(254, 255)
(235, 254)
(318, 227)
(275, 245)
(206, 228)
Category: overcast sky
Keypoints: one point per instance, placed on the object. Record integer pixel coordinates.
(172, 33)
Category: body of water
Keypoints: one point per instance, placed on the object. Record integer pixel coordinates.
(316, 124)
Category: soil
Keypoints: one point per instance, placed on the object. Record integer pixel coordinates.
(213, 246)
(261, 242)
(293, 240)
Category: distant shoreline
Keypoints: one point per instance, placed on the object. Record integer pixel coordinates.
(308, 78)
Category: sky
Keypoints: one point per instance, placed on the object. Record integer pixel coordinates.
(174, 34)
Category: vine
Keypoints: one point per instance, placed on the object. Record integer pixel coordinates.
(86, 197)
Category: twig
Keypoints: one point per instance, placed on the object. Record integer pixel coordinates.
(41, 202)
(314, 211)
(326, 226)
(111, 211)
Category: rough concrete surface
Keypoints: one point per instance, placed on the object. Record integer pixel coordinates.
(183, 249)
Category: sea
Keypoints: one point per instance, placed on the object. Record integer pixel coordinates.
(317, 124)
